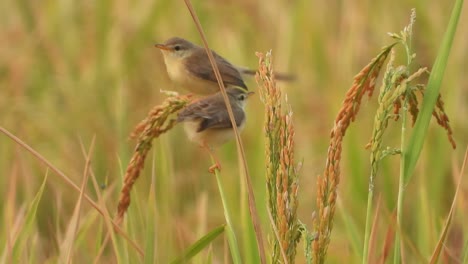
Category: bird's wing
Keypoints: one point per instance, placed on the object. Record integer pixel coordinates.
(220, 119)
(230, 74)
(211, 113)
(195, 111)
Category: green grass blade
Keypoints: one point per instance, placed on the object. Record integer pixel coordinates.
(432, 92)
(465, 254)
(443, 237)
(351, 228)
(231, 236)
(199, 245)
(150, 247)
(30, 218)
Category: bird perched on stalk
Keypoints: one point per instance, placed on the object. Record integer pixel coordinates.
(207, 122)
(188, 65)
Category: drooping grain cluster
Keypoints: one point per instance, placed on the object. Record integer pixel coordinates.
(327, 184)
(155, 124)
(442, 119)
(396, 88)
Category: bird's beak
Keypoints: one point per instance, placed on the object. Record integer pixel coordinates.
(162, 46)
(250, 94)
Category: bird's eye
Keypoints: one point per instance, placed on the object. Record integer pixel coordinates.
(177, 48)
(242, 97)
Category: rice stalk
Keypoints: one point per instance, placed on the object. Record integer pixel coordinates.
(282, 174)
(327, 184)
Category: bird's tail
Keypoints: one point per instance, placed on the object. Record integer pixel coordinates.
(278, 76)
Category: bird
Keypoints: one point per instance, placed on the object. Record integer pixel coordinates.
(207, 122)
(188, 66)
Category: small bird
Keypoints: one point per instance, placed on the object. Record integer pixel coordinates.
(207, 122)
(188, 65)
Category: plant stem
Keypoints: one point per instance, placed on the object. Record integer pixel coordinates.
(370, 197)
(402, 184)
(231, 236)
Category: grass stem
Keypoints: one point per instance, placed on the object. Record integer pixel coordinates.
(370, 197)
(401, 185)
(231, 236)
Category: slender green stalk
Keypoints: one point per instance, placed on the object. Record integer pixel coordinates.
(370, 197)
(465, 257)
(231, 236)
(380, 120)
(401, 185)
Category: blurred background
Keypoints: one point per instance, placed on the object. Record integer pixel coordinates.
(74, 70)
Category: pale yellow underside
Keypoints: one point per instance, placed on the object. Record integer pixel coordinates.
(211, 137)
(185, 79)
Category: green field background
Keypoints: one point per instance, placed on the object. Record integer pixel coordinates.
(74, 70)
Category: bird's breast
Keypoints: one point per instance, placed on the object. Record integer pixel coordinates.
(175, 69)
(214, 137)
(180, 75)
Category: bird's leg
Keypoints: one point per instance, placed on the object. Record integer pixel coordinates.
(215, 166)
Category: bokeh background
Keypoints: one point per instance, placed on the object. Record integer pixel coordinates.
(74, 70)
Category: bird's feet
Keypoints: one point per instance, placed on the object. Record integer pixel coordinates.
(214, 167)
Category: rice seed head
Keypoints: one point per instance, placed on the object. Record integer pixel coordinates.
(327, 184)
(155, 124)
(282, 177)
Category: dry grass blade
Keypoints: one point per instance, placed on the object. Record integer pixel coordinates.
(107, 216)
(75, 221)
(14, 228)
(389, 240)
(278, 239)
(327, 184)
(240, 147)
(373, 234)
(438, 248)
(10, 204)
(155, 124)
(110, 235)
(70, 183)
